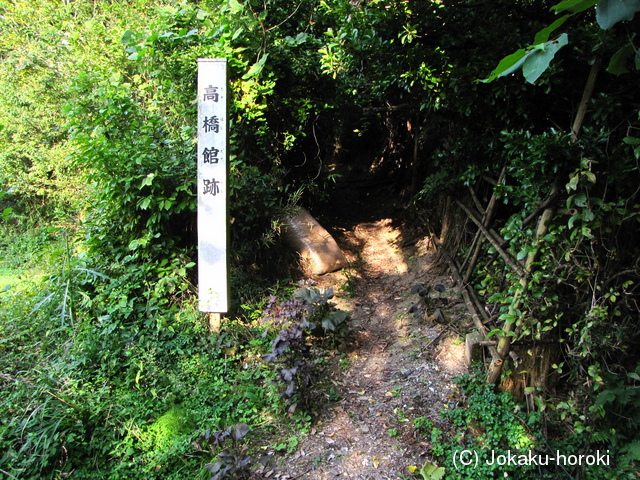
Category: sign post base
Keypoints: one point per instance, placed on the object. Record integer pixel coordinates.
(215, 322)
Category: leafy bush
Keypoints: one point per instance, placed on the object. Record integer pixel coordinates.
(488, 424)
(103, 393)
(233, 461)
(308, 312)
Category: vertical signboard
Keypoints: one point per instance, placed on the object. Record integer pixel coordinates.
(213, 284)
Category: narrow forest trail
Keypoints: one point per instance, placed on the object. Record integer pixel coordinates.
(400, 368)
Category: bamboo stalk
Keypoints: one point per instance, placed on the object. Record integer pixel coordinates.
(586, 97)
(507, 258)
(490, 180)
(415, 130)
(543, 205)
(465, 295)
(477, 239)
(471, 255)
(486, 221)
(477, 202)
(535, 214)
(504, 341)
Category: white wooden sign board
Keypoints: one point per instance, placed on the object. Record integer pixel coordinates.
(213, 176)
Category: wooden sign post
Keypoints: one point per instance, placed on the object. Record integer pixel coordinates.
(213, 176)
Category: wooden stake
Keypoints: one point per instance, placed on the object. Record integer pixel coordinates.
(507, 258)
(465, 295)
(486, 221)
(215, 322)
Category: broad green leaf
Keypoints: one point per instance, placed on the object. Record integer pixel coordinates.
(573, 220)
(495, 331)
(619, 59)
(148, 180)
(256, 68)
(580, 199)
(543, 35)
(508, 318)
(237, 33)
(431, 472)
(610, 12)
(574, 6)
(127, 37)
(302, 37)
(587, 215)
(144, 204)
(236, 7)
(328, 324)
(605, 397)
(507, 65)
(573, 184)
(538, 61)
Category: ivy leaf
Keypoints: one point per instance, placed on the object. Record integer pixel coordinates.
(148, 180)
(588, 215)
(610, 12)
(573, 220)
(508, 318)
(495, 331)
(6, 213)
(573, 184)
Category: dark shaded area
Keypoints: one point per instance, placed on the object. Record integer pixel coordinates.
(363, 176)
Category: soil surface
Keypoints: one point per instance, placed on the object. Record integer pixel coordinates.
(405, 354)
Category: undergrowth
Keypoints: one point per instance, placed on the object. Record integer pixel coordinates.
(102, 399)
(493, 436)
(104, 380)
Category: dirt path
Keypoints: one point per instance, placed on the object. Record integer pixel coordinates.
(400, 368)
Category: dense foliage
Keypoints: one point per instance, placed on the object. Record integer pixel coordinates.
(107, 369)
